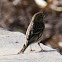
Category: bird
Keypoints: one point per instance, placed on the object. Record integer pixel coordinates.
(34, 31)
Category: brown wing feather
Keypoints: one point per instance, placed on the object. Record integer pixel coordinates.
(35, 30)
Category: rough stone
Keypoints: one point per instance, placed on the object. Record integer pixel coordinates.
(12, 42)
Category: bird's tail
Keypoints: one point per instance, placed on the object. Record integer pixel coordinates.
(23, 48)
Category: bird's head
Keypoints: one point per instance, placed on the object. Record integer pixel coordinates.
(38, 17)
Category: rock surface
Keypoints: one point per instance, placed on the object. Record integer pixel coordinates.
(12, 42)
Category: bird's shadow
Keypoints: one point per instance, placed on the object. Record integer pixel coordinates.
(47, 51)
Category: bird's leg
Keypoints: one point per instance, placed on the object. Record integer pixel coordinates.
(31, 48)
(41, 47)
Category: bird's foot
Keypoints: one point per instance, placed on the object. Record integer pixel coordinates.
(32, 50)
(41, 50)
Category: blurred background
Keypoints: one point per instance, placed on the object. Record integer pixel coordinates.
(15, 15)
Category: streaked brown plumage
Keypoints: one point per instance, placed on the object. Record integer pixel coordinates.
(34, 31)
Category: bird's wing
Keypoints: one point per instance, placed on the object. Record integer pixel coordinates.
(35, 31)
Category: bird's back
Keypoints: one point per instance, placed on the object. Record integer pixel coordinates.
(34, 31)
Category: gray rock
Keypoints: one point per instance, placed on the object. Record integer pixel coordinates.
(12, 42)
